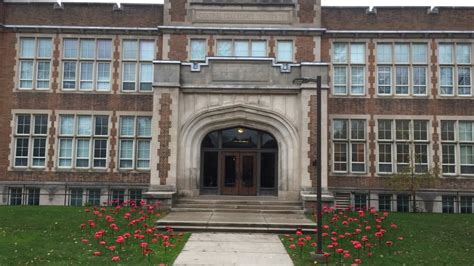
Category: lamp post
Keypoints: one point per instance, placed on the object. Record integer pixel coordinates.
(317, 81)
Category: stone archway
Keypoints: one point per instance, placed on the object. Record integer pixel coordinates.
(198, 126)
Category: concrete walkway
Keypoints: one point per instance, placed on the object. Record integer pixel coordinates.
(233, 249)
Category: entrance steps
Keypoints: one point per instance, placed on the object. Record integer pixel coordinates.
(237, 214)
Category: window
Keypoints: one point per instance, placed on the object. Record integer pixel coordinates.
(360, 201)
(135, 139)
(93, 196)
(83, 141)
(466, 204)
(455, 69)
(403, 203)
(135, 195)
(35, 63)
(31, 134)
(87, 64)
(137, 62)
(349, 68)
(75, 196)
(385, 202)
(244, 48)
(15, 196)
(448, 204)
(403, 144)
(285, 51)
(402, 68)
(198, 50)
(349, 141)
(33, 196)
(118, 196)
(457, 144)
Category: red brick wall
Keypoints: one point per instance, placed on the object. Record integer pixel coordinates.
(305, 49)
(177, 45)
(402, 18)
(84, 15)
(306, 12)
(178, 10)
(164, 138)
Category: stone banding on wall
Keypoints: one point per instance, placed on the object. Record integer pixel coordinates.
(164, 138)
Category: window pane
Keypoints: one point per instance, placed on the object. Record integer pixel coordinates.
(70, 48)
(449, 159)
(101, 125)
(42, 79)
(384, 53)
(67, 125)
(100, 153)
(402, 129)
(340, 157)
(146, 77)
(357, 80)
(401, 80)
(127, 126)
(144, 126)
(403, 157)
(87, 49)
(21, 153)
(105, 49)
(285, 51)
(464, 80)
(259, 48)
(26, 74)
(69, 80)
(224, 48)
(41, 124)
(463, 53)
(27, 47)
(39, 152)
(419, 80)
(143, 158)
(242, 48)
(82, 153)
(447, 80)
(358, 157)
(385, 129)
(130, 50)
(420, 53)
(126, 154)
(340, 80)
(129, 75)
(65, 152)
(33, 196)
(358, 129)
(23, 124)
(445, 53)
(86, 76)
(340, 129)
(103, 77)
(421, 158)
(385, 158)
(465, 131)
(84, 125)
(358, 53)
(340, 53)
(402, 54)
(44, 47)
(447, 130)
(467, 159)
(384, 80)
(147, 50)
(198, 50)
(420, 130)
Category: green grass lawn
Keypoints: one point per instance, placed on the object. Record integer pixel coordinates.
(429, 239)
(51, 235)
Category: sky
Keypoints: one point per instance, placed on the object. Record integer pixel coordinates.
(324, 2)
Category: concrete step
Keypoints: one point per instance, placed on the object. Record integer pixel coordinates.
(173, 224)
(237, 210)
(238, 229)
(238, 206)
(238, 202)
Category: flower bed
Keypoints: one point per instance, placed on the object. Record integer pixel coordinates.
(349, 237)
(126, 232)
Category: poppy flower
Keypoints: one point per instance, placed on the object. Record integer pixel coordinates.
(347, 255)
(96, 254)
(102, 243)
(326, 254)
(314, 244)
(389, 243)
(308, 238)
(299, 233)
(400, 238)
(394, 226)
(358, 261)
(115, 258)
(111, 248)
(120, 240)
(339, 250)
(144, 245)
(85, 241)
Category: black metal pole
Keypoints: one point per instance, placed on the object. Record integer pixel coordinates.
(318, 165)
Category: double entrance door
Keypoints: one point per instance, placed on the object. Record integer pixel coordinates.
(238, 173)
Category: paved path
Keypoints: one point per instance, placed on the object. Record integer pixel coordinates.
(233, 249)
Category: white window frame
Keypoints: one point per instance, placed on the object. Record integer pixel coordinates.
(349, 141)
(457, 143)
(139, 62)
(292, 52)
(411, 65)
(455, 67)
(35, 61)
(31, 136)
(250, 47)
(349, 65)
(78, 60)
(135, 138)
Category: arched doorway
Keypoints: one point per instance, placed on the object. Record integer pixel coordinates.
(239, 161)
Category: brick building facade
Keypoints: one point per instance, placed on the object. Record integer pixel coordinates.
(101, 102)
